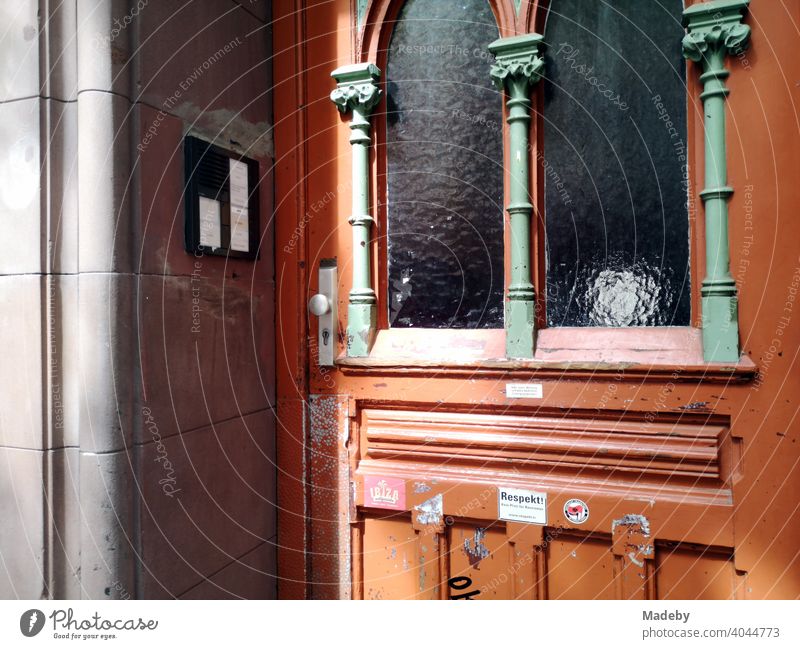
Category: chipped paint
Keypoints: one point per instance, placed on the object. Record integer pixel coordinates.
(326, 465)
(421, 488)
(697, 405)
(430, 512)
(476, 551)
(632, 557)
(632, 520)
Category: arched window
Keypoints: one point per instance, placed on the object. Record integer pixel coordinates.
(444, 168)
(615, 164)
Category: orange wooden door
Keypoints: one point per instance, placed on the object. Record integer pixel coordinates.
(639, 471)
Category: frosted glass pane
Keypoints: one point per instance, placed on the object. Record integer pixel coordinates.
(617, 227)
(445, 176)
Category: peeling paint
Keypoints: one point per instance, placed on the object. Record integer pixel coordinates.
(632, 557)
(421, 488)
(697, 405)
(476, 551)
(430, 512)
(226, 125)
(632, 520)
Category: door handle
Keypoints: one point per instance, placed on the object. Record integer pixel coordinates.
(323, 305)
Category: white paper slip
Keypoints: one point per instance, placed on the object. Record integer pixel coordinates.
(210, 223)
(238, 184)
(240, 229)
(524, 390)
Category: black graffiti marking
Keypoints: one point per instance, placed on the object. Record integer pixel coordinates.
(460, 583)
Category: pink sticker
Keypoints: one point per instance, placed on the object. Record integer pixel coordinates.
(386, 493)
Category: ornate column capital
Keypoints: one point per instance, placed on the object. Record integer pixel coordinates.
(357, 88)
(517, 59)
(715, 27)
(357, 93)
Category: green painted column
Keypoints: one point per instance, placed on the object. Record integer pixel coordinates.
(357, 93)
(518, 66)
(716, 30)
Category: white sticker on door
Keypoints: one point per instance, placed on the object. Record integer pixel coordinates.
(523, 390)
(521, 505)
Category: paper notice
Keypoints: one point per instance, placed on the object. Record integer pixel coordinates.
(210, 223)
(238, 184)
(240, 229)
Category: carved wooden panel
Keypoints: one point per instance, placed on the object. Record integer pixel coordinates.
(573, 445)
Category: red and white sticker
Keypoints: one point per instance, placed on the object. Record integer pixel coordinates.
(385, 493)
(576, 511)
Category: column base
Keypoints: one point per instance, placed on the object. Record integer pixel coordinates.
(720, 329)
(520, 329)
(361, 329)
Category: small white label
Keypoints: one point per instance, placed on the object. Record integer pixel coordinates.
(521, 505)
(210, 223)
(239, 188)
(240, 229)
(524, 390)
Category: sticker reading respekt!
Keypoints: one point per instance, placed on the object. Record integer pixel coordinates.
(386, 493)
(521, 505)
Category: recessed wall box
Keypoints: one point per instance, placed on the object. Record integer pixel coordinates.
(221, 198)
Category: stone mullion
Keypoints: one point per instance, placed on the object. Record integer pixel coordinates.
(358, 93)
(716, 30)
(518, 67)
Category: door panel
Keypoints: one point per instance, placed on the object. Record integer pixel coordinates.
(694, 573)
(390, 559)
(482, 555)
(683, 464)
(580, 567)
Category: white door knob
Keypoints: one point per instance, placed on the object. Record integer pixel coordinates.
(319, 304)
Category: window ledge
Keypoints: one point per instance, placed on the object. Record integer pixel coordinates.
(650, 353)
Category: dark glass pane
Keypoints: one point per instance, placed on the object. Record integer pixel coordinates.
(445, 176)
(617, 228)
